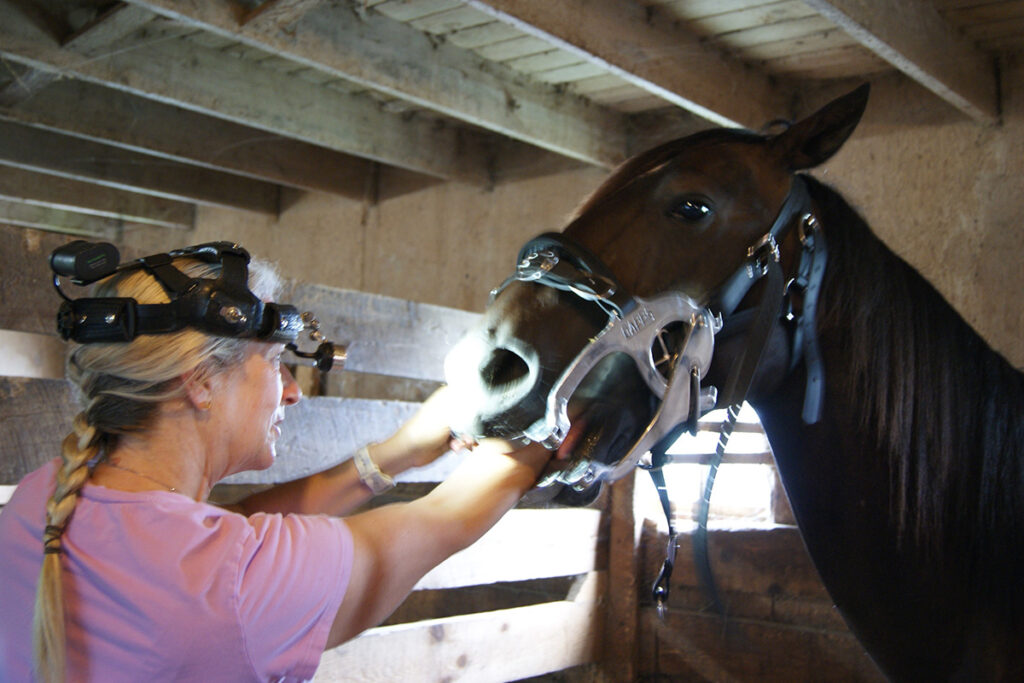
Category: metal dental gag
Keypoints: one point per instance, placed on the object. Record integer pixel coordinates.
(637, 327)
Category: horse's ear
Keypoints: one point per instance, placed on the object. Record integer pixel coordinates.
(815, 139)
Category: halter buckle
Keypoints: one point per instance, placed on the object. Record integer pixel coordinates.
(758, 255)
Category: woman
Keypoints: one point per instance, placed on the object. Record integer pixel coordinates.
(115, 567)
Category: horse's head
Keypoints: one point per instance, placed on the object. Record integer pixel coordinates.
(680, 218)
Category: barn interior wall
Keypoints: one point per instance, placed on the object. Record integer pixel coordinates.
(947, 195)
(942, 191)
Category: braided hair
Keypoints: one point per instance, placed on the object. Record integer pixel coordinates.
(121, 386)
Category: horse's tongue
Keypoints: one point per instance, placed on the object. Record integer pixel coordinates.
(576, 431)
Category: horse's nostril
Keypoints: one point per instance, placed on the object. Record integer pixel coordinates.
(503, 368)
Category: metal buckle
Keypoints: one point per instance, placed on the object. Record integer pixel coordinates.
(806, 228)
(758, 253)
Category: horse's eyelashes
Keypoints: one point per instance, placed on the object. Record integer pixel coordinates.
(691, 209)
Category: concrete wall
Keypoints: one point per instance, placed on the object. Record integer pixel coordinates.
(945, 193)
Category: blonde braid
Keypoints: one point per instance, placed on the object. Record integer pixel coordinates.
(48, 636)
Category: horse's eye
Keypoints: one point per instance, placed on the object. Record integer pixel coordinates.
(690, 209)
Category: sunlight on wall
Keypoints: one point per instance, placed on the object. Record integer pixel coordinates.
(743, 490)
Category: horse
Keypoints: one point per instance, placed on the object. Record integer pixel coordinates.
(895, 428)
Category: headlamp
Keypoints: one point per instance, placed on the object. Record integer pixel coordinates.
(222, 306)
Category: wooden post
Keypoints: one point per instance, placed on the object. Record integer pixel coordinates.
(620, 636)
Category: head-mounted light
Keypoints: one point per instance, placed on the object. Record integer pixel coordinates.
(222, 306)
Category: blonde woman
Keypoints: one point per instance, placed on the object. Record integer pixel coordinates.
(116, 569)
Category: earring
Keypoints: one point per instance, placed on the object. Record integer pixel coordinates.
(203, 405)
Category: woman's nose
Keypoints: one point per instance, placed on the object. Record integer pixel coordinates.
(290, 391)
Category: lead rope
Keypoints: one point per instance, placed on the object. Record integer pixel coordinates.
(701, 556)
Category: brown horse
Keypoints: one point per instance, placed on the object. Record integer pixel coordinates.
(897, 431)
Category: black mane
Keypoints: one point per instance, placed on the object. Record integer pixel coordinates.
(945, 406)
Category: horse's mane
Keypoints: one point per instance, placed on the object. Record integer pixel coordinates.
(945, 406)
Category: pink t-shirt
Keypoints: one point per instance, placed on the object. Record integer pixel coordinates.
(159, 587)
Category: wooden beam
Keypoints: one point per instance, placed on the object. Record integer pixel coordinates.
(60, 220)
(403, 62)
(115, 23)
(28, 355)
(914, 38)
(503, 645)
(661, 59)
(38, 150)
(525, 544)
(181, 72)
(318, 432)
(120, 119)
(620, 628)
(35, 416)
(27, 300)
(693, 646)
(385, 335)
(55, 192)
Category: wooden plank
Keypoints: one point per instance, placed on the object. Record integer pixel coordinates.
(46, 152)
(750, 17)
(503, 645)
(526, 544)
(764, 561)
(211, 82)
(73, 195)
(113, 24)
(318, 433)
(663, 60)
(117, 118)
(322, 431)
(451, 602)
(796, 32)
(401, 61)
(27, 300)
(35, 416)
(706, 648)
(386, 335)
(39, 356)
(59, 220)
(933, 54)
(621, 626)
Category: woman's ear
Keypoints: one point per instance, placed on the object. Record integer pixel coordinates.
(198, 389)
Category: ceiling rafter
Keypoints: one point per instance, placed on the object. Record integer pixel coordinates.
(912, 36)
(65, 194)
(146, 126)
(401, 61)
(621, 37)
(43, 151)
(217, 84)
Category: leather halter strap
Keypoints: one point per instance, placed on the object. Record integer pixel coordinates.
(762, 262)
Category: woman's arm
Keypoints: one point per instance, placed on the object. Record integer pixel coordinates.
(397, 544)
(339, 490)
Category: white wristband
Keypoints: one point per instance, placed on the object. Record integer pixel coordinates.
(370, 474)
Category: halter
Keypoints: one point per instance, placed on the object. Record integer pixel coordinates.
(636, 326)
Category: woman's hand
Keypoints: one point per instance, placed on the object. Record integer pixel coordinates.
(424, 438)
